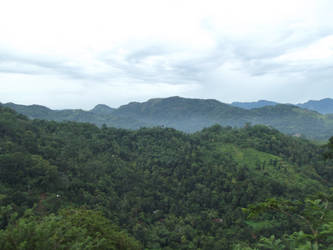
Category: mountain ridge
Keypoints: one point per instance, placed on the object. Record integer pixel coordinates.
(251, 105)
(191, 115)
(323, 106)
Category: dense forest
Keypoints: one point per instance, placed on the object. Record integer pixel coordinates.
(68, 185)
(192, 115)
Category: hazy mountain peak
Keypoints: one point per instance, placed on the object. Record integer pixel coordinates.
(251, 105)
(190, 115)
(102, 109)
(324, 106)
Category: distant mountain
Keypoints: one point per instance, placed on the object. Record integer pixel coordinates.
(324, 106)
(194, 114)
(191, 115)
(31, 111)
(252, 105)
(183, 113)
(102, 109)
(99, 115)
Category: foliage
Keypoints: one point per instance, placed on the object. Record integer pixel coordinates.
(69, 229)
(168, 189)
(314, 218)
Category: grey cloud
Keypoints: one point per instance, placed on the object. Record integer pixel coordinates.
(133, 66)
(139, 55)
(39, 65)
(186, 68)
(175, 66)
(283, 41)
(261, 67)
(258, 61)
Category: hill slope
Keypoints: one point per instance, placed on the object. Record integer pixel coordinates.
(324, 106)
(192, 115)
(252, 105)
(170, 190)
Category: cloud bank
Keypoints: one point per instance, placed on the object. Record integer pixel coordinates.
(80, 53)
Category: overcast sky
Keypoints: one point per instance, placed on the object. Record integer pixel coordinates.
(76, 54)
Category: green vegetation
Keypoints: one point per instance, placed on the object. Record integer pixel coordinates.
(69, 229)
(323, 106)
(73, 185)
(314, 218)
(191, 115)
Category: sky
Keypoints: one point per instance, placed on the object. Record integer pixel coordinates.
(76, 54)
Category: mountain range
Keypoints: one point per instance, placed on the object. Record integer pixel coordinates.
(323, 106)
(191, 115)
(252, 105)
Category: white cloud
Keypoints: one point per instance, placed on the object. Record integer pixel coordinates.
(321, 49)
(80, 53)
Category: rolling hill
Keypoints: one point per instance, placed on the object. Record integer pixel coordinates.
(323, 106)
(192, 115)
(166, 189)
(252, 105)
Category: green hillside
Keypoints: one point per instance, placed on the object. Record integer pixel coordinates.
(157, 186)
(323, 106)
(191, 115)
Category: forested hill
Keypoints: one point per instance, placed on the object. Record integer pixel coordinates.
(76, 185)
(253, 105)
(323, 106)
(191, 115)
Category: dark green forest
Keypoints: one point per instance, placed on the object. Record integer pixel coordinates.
(69, 185)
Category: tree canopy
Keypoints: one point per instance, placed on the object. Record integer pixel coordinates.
(154, 188)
